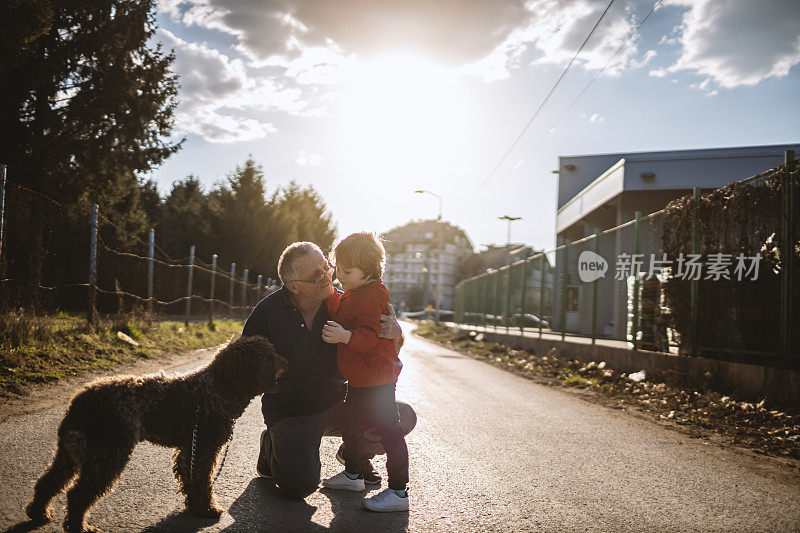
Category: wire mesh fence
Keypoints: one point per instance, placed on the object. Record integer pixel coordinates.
(46, 264)
(711, 275)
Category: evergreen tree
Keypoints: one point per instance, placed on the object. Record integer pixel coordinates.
(85, 105)
(84, 101)
(303, 216)
(243, 227)
(184, 220)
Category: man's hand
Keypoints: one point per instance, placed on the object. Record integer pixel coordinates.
(390, 329)
(334, 333)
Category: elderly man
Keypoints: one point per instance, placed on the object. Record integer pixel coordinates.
(309, 401)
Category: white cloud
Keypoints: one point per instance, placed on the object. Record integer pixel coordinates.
(596, 118)
(215, 89)
(215, 127)
(314, 39)
(306, 159)
(455, 32)
(739, 42)
(659, 72)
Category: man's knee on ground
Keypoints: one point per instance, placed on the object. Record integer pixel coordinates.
(408, 417)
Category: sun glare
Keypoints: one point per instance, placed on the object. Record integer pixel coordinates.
(402, 114)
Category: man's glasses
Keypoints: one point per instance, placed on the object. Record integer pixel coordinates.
(320, 278)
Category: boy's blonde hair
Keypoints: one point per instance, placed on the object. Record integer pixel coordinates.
(362, 250)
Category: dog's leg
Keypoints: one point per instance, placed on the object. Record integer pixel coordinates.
(98, 474)
(51, 483)
(180, 467)
(199, 496)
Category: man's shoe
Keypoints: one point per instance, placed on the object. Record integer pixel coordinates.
(340, 455)
(262, 465)
(371, 477)
(341, 481)
(386, 501)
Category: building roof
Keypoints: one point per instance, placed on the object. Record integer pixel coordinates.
(424, 230)
(664, 170)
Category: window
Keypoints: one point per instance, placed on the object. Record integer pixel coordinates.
(573, 296)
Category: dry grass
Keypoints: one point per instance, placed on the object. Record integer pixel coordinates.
(36, 349)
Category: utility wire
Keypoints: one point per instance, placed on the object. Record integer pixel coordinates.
(541, 106)
(610, 59)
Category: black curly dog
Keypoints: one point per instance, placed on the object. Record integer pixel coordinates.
(106, 420)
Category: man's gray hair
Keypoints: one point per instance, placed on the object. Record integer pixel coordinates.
(289, 257)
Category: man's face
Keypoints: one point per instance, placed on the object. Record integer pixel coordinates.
(307, 269)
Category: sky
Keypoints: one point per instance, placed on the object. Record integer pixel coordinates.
(370, 101)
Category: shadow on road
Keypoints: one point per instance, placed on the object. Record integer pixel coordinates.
(348, 515)
(181, 521)
(262, 507)
(24, 527)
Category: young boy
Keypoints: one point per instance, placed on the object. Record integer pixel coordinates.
(370, 365)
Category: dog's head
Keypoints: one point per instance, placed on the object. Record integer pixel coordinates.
(251, 365)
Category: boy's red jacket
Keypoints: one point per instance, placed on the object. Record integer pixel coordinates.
(367, 360)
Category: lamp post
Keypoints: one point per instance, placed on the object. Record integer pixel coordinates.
(421, 191)
(510, 220)
(441, 239)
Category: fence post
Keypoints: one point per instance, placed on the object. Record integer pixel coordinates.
(542, 279)
(484, 297)
(93, 270)
(230, 295)
(787, 255)
(563, 287)
(522, 296)
(244, 293)
(496, 303)
(637, 245)
(508, 297)
(189, 287)
(151, 239)
(258, 288)
(2, 209)
(213, 282)
(594, 291)
(695, 246)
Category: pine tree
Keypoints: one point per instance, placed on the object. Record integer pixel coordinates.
(244, 230)
(304, 216)
(86, 103)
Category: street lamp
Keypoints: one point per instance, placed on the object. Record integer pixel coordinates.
(441, 239)
(510, 220)
(421, 191)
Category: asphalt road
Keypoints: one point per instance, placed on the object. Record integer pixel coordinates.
(492, 451)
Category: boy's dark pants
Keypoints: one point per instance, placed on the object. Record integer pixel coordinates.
(376, 407)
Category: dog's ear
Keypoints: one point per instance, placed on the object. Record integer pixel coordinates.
(247, 364)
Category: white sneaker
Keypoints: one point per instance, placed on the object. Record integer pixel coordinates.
(341, 481)
(386, 501)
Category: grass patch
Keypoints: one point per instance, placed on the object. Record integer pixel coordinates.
(37, 349)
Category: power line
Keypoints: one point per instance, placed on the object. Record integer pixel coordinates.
(610, 59)
(541, 106)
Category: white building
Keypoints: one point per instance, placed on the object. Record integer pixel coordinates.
(413, 273)
(598, 192)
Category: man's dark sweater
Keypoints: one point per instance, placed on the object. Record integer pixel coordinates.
(312, 382)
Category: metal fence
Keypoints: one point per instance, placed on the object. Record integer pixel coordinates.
(73, 258)
(713, 274)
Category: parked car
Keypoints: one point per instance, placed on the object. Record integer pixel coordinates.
(529, 320)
